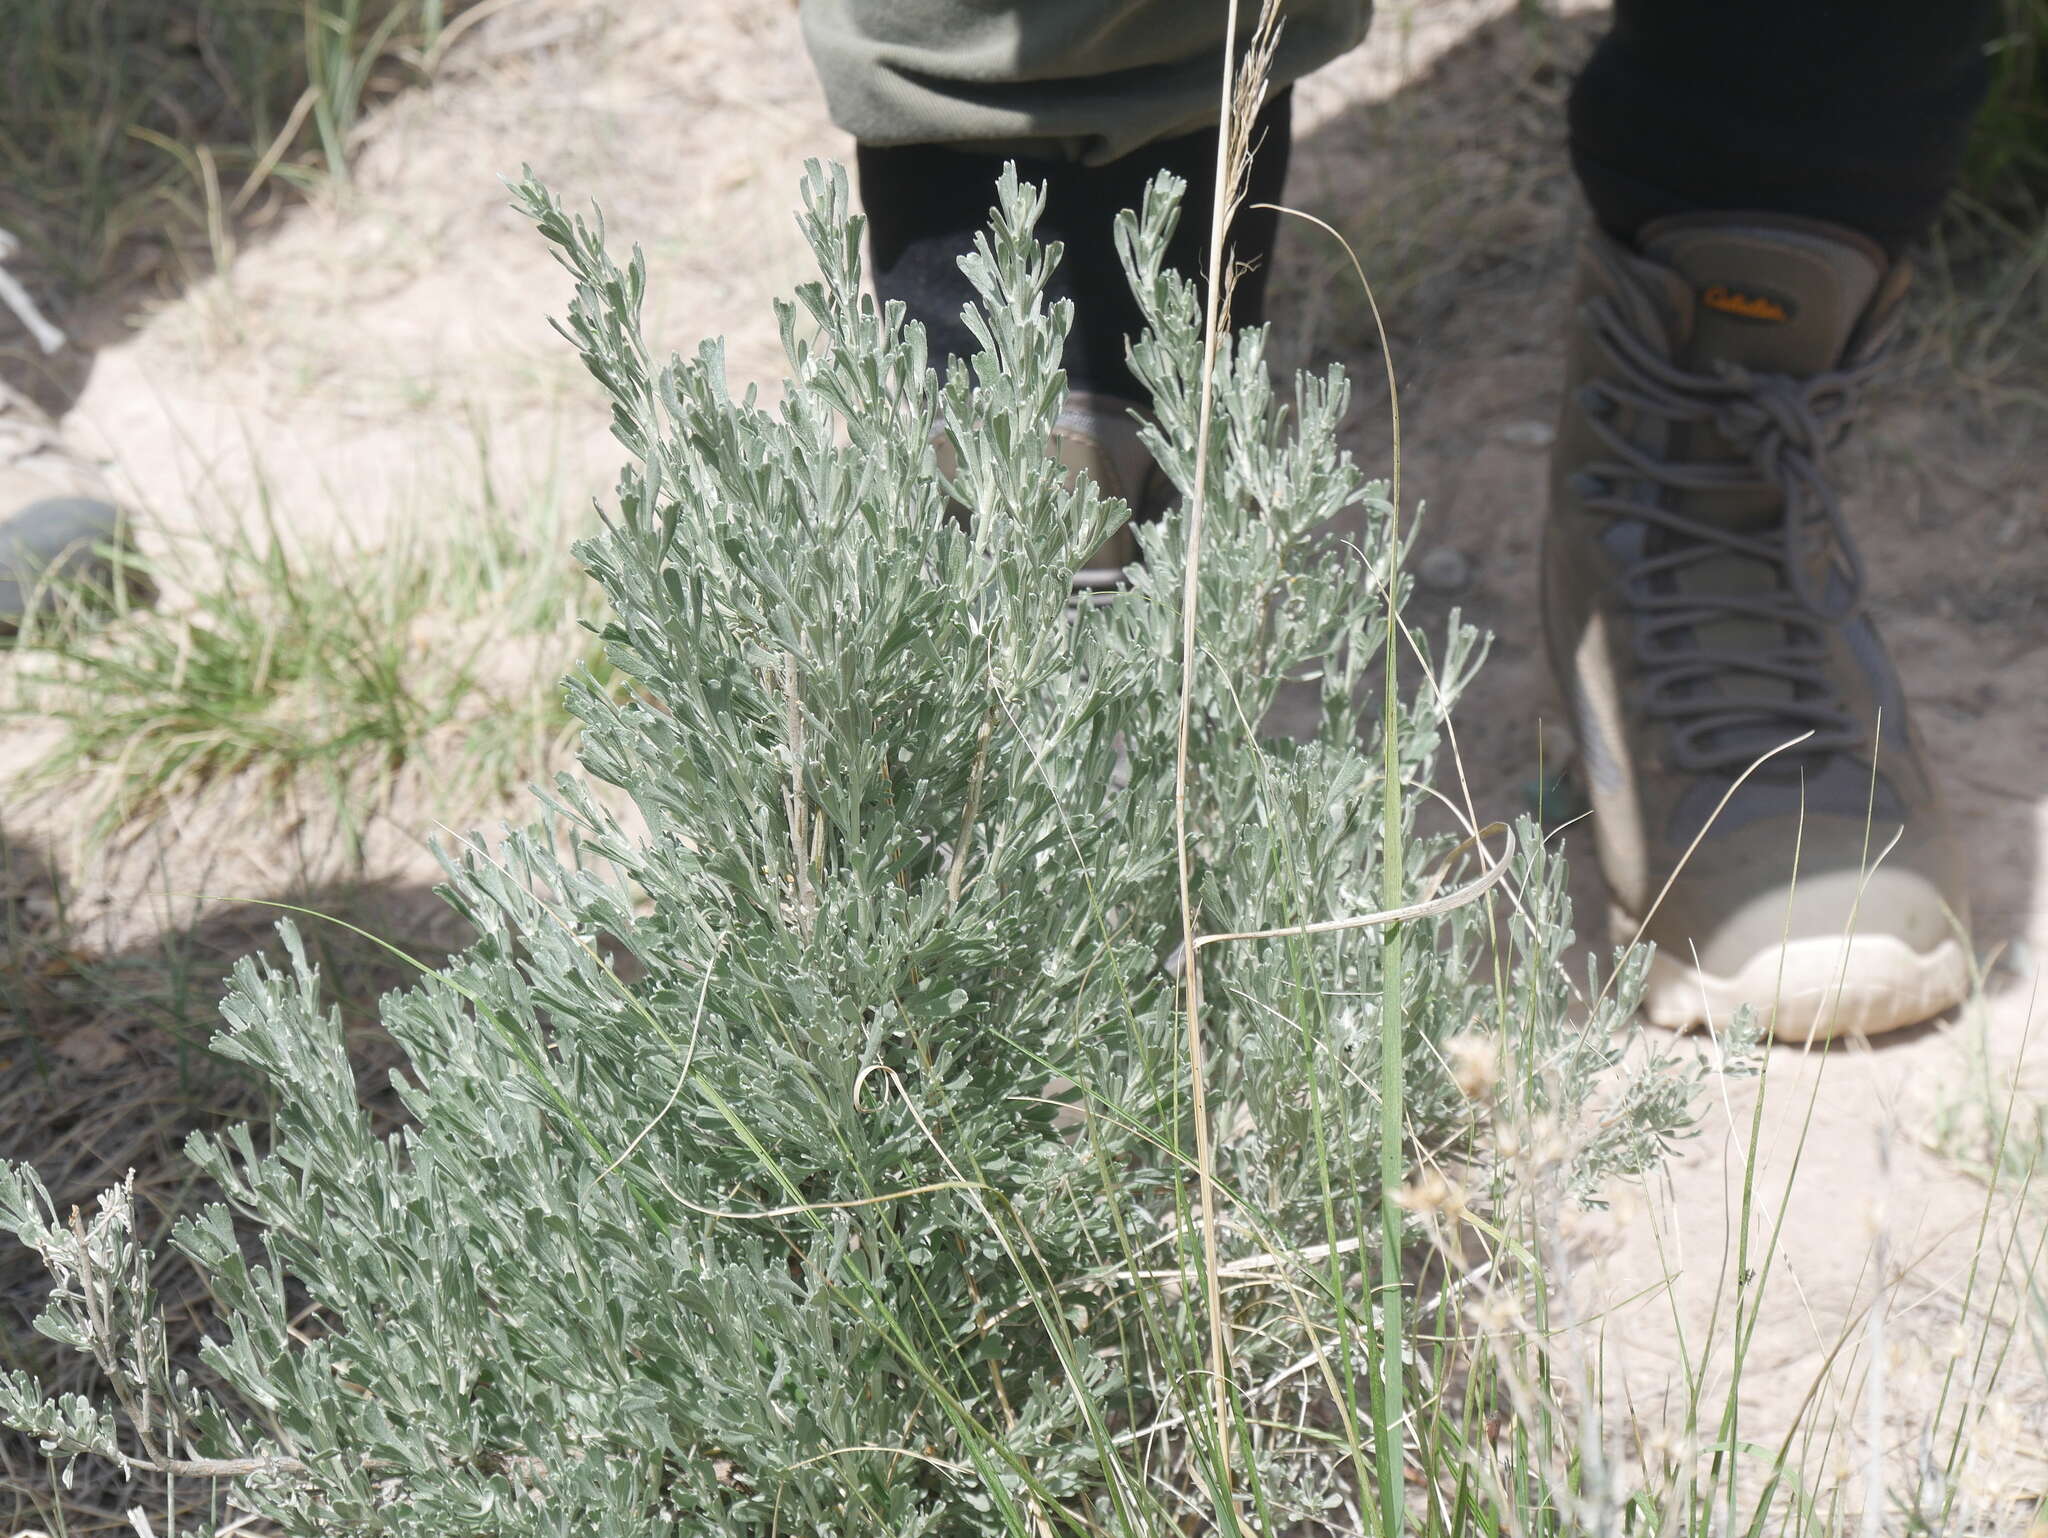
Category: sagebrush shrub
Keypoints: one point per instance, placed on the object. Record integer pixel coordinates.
(809, 1152)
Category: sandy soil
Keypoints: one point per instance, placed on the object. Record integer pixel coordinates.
(349, 362)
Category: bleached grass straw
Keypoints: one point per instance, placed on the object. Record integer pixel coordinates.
(1205, 1159)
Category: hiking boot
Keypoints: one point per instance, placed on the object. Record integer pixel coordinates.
(1097, 435)
(55, 523)
(1703, 607)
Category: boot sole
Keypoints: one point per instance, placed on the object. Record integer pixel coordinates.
(1809, 990)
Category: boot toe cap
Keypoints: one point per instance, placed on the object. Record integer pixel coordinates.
(1839, 952)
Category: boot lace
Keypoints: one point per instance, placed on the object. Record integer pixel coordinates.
(1785, 427)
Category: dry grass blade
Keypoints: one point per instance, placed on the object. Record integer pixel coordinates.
(1429, 905)
(1242, 91)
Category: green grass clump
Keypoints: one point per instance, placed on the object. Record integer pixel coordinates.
(2006, 167)
(136, 122)
(275, 666)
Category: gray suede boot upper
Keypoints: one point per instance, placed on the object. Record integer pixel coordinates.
(1703, 605)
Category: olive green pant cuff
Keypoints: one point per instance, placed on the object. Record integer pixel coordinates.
(1086, 80)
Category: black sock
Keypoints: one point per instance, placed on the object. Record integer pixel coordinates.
(925, 202)
(1852, 111)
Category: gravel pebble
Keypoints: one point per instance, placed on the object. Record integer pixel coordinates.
(1527, 435)
(1444, 570)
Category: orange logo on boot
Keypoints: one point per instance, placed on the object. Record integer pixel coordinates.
(1745, 305)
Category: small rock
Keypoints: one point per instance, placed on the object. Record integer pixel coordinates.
(1555, 743)
(1527, 435)
(93, 1049)
(1555, 799)
(1444, 570)
(2011, 532)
